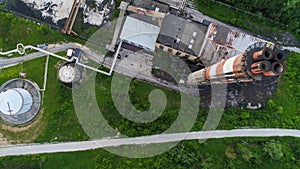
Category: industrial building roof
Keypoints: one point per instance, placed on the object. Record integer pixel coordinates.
(152, 5)
(223, 42)
(145, 18)
(140, 33)
(173, 3)
(232, 38)
(182, 34)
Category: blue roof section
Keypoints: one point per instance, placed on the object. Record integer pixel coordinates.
(77, 53)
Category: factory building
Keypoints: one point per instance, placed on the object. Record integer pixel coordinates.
(175, 4)
(183, 36)
(198, 41)
(144, 35)
(219, 48)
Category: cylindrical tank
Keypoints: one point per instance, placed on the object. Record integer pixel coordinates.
(15, 101)
(20, 101)
(69, 73)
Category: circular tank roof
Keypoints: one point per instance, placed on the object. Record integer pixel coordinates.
(66, 73)
(15, 101)
(20, 101)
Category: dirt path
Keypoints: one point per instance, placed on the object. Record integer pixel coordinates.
(3, 140)
(23, 134)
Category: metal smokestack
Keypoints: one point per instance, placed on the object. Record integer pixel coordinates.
(261, 61)
(277, 70)
(264, 54)
(280, 57)
(260, 67)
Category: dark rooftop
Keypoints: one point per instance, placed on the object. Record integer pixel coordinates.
(151, 5)
(182, 34)
(173, 3)
(145, 18)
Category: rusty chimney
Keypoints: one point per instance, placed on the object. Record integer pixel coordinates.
(259, 62)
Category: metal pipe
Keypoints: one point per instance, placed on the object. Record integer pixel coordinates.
(260, 67)
(280, 57)
(66, 26)
(264, 54)
(277, 70)
(256, 55)
(77, 5)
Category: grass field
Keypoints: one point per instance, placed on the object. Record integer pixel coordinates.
(240, 153)
(59, 120)
(15, 30)
(35, 72)
(253, 23)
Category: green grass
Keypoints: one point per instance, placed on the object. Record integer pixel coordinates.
(60, 118)
(139, 92)
(188, 154)
(252, 23)
(60, 121)
(15, 30)
(34, 70)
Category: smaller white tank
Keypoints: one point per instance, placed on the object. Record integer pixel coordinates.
(67, 73)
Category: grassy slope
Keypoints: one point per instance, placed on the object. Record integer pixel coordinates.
(249, 22)
(15, 30)
(34, 70)
(58, 119)
(59, 113)
(213, 153)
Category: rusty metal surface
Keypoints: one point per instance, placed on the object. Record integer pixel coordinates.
(223, 43)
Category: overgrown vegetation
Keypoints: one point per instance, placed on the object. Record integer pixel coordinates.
(15, 30)
(262, 153)
(268, 18)
(286, 12)
(61, 122)
(58, 121)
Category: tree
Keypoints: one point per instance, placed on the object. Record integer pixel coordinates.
(273, 149)
(245, 153)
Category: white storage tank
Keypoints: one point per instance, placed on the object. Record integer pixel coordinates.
(15, 101)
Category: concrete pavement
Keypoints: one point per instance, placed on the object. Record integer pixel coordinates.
(14, 150)
(4, 63)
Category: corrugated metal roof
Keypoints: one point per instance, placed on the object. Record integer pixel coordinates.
(224, 42)
(173, 3)
(140, 33)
